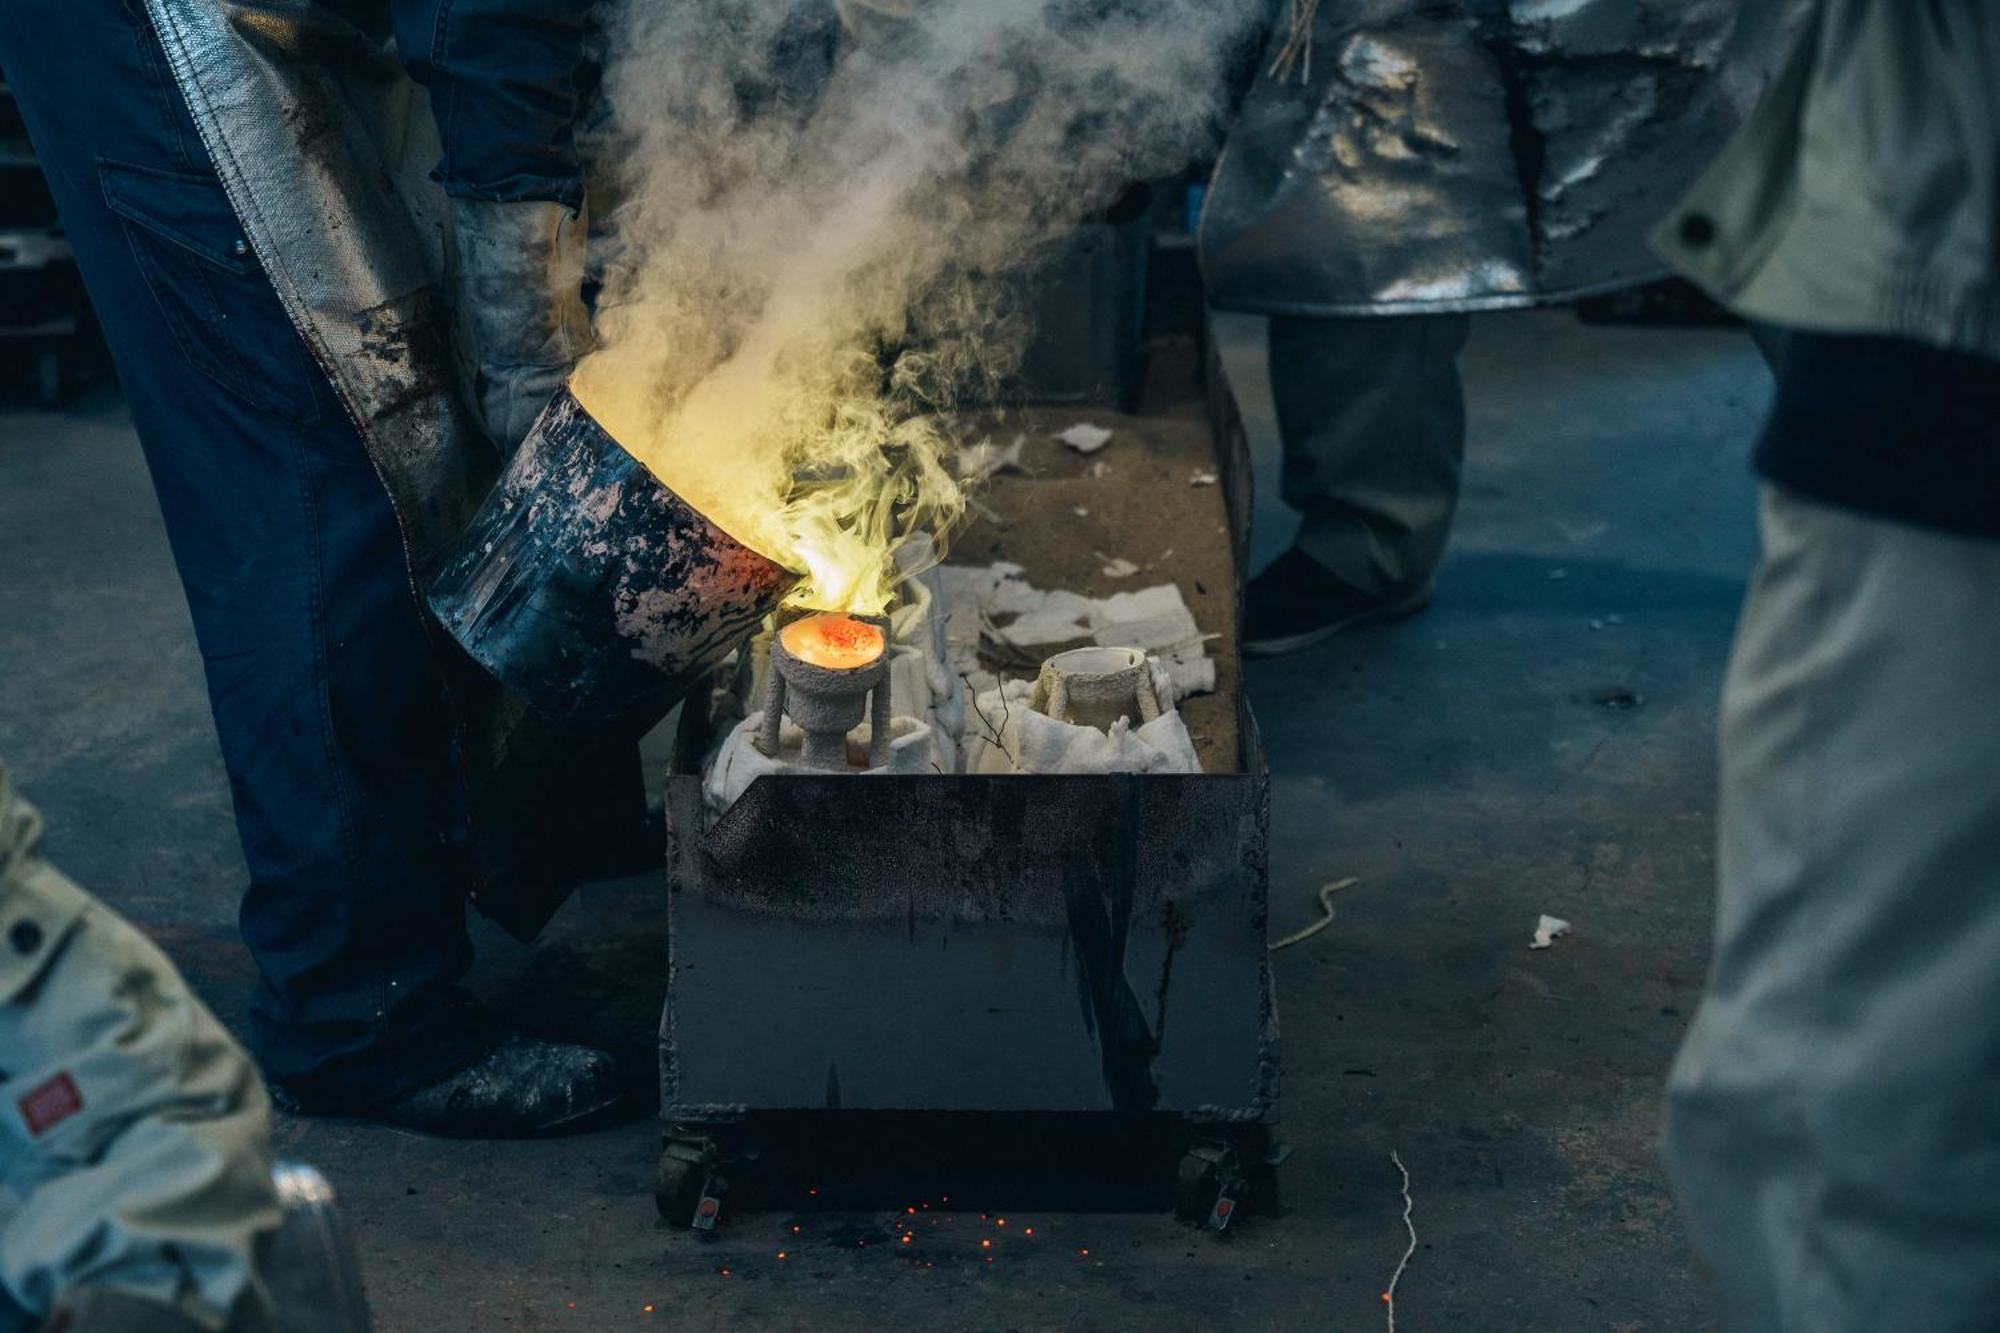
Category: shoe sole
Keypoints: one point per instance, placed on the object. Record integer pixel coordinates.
(575, 1122)
(1381, 615)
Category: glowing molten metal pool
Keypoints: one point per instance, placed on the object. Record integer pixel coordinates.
(836, 643)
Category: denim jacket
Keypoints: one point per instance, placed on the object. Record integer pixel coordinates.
(507, 80)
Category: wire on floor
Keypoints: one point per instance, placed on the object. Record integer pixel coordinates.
(1389, 1295)
(1326, 892)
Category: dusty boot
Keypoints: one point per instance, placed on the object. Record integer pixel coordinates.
(521, 1088)
(1297, 603)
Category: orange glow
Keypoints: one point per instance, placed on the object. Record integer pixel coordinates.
(985, 1244)
(839, 643)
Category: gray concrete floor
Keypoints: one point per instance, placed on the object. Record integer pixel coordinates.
(1459, 764)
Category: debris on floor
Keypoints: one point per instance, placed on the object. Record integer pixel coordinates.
(1204, 478)
(1547, 931)
(1326, 892)
(1410, 1250)
(1618, 699)
(1120, 568)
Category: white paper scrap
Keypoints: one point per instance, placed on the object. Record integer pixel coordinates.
(1204, 479)
(1547, 931)
(1085, 438)
(1121, 568)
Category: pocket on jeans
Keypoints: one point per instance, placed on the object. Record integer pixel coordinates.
(212, 293)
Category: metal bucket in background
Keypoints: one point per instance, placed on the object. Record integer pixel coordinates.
(591, 590)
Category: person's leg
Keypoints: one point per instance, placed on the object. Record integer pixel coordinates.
(1372, 416)
(330, 711)
(1833, 1119)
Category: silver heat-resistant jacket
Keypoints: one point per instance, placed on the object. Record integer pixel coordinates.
(1440, 155)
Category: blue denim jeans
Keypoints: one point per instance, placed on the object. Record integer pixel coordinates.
(327, 696)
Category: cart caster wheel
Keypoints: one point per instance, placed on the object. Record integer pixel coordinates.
(688, 1189)
(1197, 1181)
(1210, 1187)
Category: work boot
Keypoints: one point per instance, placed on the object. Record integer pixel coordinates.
(519, 1088)
(522, 1088)
(1297, 602)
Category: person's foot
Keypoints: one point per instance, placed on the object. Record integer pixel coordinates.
(520, 1088)
(1296, 603)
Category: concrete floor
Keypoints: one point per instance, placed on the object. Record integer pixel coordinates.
(1461, 765)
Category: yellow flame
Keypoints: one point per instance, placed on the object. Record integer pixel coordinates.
(798, 444)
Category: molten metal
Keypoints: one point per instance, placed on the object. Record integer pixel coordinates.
(838, 643)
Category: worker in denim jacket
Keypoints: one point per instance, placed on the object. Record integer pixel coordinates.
(334, 304)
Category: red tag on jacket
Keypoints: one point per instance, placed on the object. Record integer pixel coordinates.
(50, 1104)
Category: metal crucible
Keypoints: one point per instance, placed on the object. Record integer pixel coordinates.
(592, 590)
(825, 669)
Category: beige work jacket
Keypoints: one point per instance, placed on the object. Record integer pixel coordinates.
(134, 1133)
(1863, 195)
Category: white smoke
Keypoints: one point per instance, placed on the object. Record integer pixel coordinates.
(818, 221)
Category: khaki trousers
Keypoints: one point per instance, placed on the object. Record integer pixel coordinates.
(1372, 415)
(1833, 1120)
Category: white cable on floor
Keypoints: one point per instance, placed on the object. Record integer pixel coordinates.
(1389, 1296)
(1326, 893)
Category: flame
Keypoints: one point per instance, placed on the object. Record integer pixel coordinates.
(838, 643)
(798, 444)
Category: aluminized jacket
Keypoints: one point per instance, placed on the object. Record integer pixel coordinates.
(326, 149)
(1438, 155)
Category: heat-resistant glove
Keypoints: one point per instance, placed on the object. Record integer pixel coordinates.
(518, 278)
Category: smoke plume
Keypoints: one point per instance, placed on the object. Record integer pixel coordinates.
(818, 221)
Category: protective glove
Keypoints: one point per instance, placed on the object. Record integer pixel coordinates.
(518, 276)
